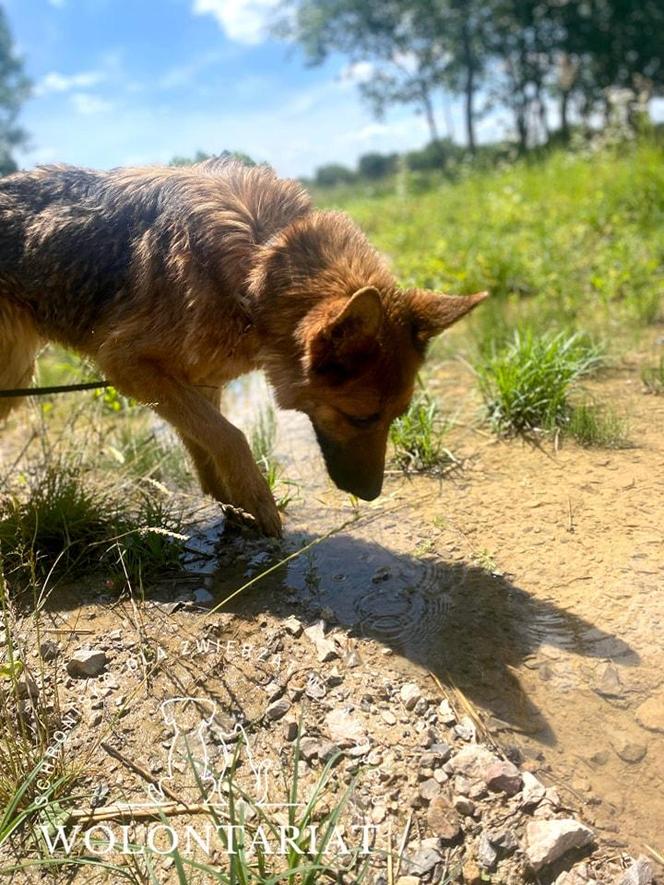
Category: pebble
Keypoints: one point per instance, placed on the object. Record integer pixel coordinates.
(422, 857)
(278, 709)
(650, 714)
(293, 626)
(49, 650)
(466, 729)
(326, 650)
(26, 687)
(443, 819)
(344, 728)
(548, 840)
(408, 880)
(410, 694)
(486, 853)
(503, 777)
(429, 789)
(290, 730)
(446, 713)
(639, 873)
(629, 750)
(471, 761)
(533, 790)
(388, 717)
(464, 806)
(87, 662)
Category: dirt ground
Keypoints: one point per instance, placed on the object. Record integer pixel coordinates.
(528, 587)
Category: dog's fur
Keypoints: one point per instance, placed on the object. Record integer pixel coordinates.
(176, 280)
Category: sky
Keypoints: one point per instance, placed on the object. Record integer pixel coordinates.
(121, 82)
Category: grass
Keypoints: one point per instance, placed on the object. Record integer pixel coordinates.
(417, 437)
(653, 377)
(598, 425)
(262, 439)
(578, 236)
(526, 383)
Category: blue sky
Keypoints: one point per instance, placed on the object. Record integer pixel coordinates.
(137, 81)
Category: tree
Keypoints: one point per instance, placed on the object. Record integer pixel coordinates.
(14, 89)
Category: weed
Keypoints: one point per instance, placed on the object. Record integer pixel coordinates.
(592, 424)
(262, 440)
(653, 377)
(417, 437)
(526, 384)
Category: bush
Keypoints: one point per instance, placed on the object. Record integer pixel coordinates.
(333, 174)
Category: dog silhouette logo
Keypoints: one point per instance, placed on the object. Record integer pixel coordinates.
(192, 748)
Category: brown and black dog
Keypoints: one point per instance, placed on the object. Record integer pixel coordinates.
(176, 280)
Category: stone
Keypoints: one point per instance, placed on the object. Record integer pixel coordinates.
(293, 626)
(629, 750)
(326, 649)
(466, 729)
(533, 790)
(464, 806)
(429, 789)
(609, 684)
(87, 662)
(26, 687)
(49, 650)
(446, 713)
(472, 874)
(202, 596)
(504, 841)
(408, 880)
(443, 820)
(638, 873)
(290, 730)
(410, 694)
(344, 728)
(471, 761)
(486, 853)
(650, 714)
(278, 709)
(503, 777)
(388, 717)
(422, 857)
(549, 840)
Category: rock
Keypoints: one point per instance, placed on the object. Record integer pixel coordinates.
(87, 662)
(466, 729)
(629, 750)
(293, 626)
(278, 709)
(202, 596)
(578, 875)
(345, 729)
(429, 789)
(443, 819)
(503, 777)
(326, 650)
(533, 790)
(388, 717)
(609, 684)
(486, 853)
(650, 714)
(639, 873)
(504, 841)
(471, 761)
(410, 694)
(441, 751)
(548, 840)
(446, 713)
(26, 687)
(49, 650)
(408, 880)
(464, 806)
(290, 730)
(422, 857)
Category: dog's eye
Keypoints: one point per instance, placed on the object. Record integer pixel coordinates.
(362, 420)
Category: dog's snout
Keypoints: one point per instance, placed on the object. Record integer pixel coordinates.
(354, 468)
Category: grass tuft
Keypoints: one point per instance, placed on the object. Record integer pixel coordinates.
(593, 424)
(526, 383)
(262, 439)
(417, 437)
(653, 377)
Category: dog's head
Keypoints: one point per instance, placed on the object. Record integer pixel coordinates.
(348, 359)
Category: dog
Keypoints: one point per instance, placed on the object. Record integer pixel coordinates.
(175, 280)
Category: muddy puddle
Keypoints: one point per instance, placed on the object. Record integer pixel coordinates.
(531, 581)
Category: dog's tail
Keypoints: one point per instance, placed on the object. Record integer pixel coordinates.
(19, 343)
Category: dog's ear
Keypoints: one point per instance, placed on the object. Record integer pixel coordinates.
(432, 312)
(348, 335)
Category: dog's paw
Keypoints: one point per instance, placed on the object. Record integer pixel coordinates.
(260, 514)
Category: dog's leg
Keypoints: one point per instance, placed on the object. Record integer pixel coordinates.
(196, 419)
(19, 343)
(208, 475)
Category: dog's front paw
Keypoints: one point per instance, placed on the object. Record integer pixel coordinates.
(259, 504)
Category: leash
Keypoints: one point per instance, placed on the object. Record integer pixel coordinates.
(57, 388)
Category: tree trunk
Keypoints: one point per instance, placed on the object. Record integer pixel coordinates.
(429, 114)
(564, 114)
(469, 88)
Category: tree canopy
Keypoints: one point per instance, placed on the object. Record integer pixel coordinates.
(14, 89)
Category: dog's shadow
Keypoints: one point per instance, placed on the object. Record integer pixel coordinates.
(472, 628)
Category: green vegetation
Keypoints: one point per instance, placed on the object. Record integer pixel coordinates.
(262, 439)
(594, 424)
(526, 384)
(653, 377)
(417, 437)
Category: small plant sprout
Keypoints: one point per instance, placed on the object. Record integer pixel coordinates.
(417, 438)
(594, 424)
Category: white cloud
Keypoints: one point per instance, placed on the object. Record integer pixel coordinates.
(56, 82)
(87, 103)
(244, 21)
(357, 72)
